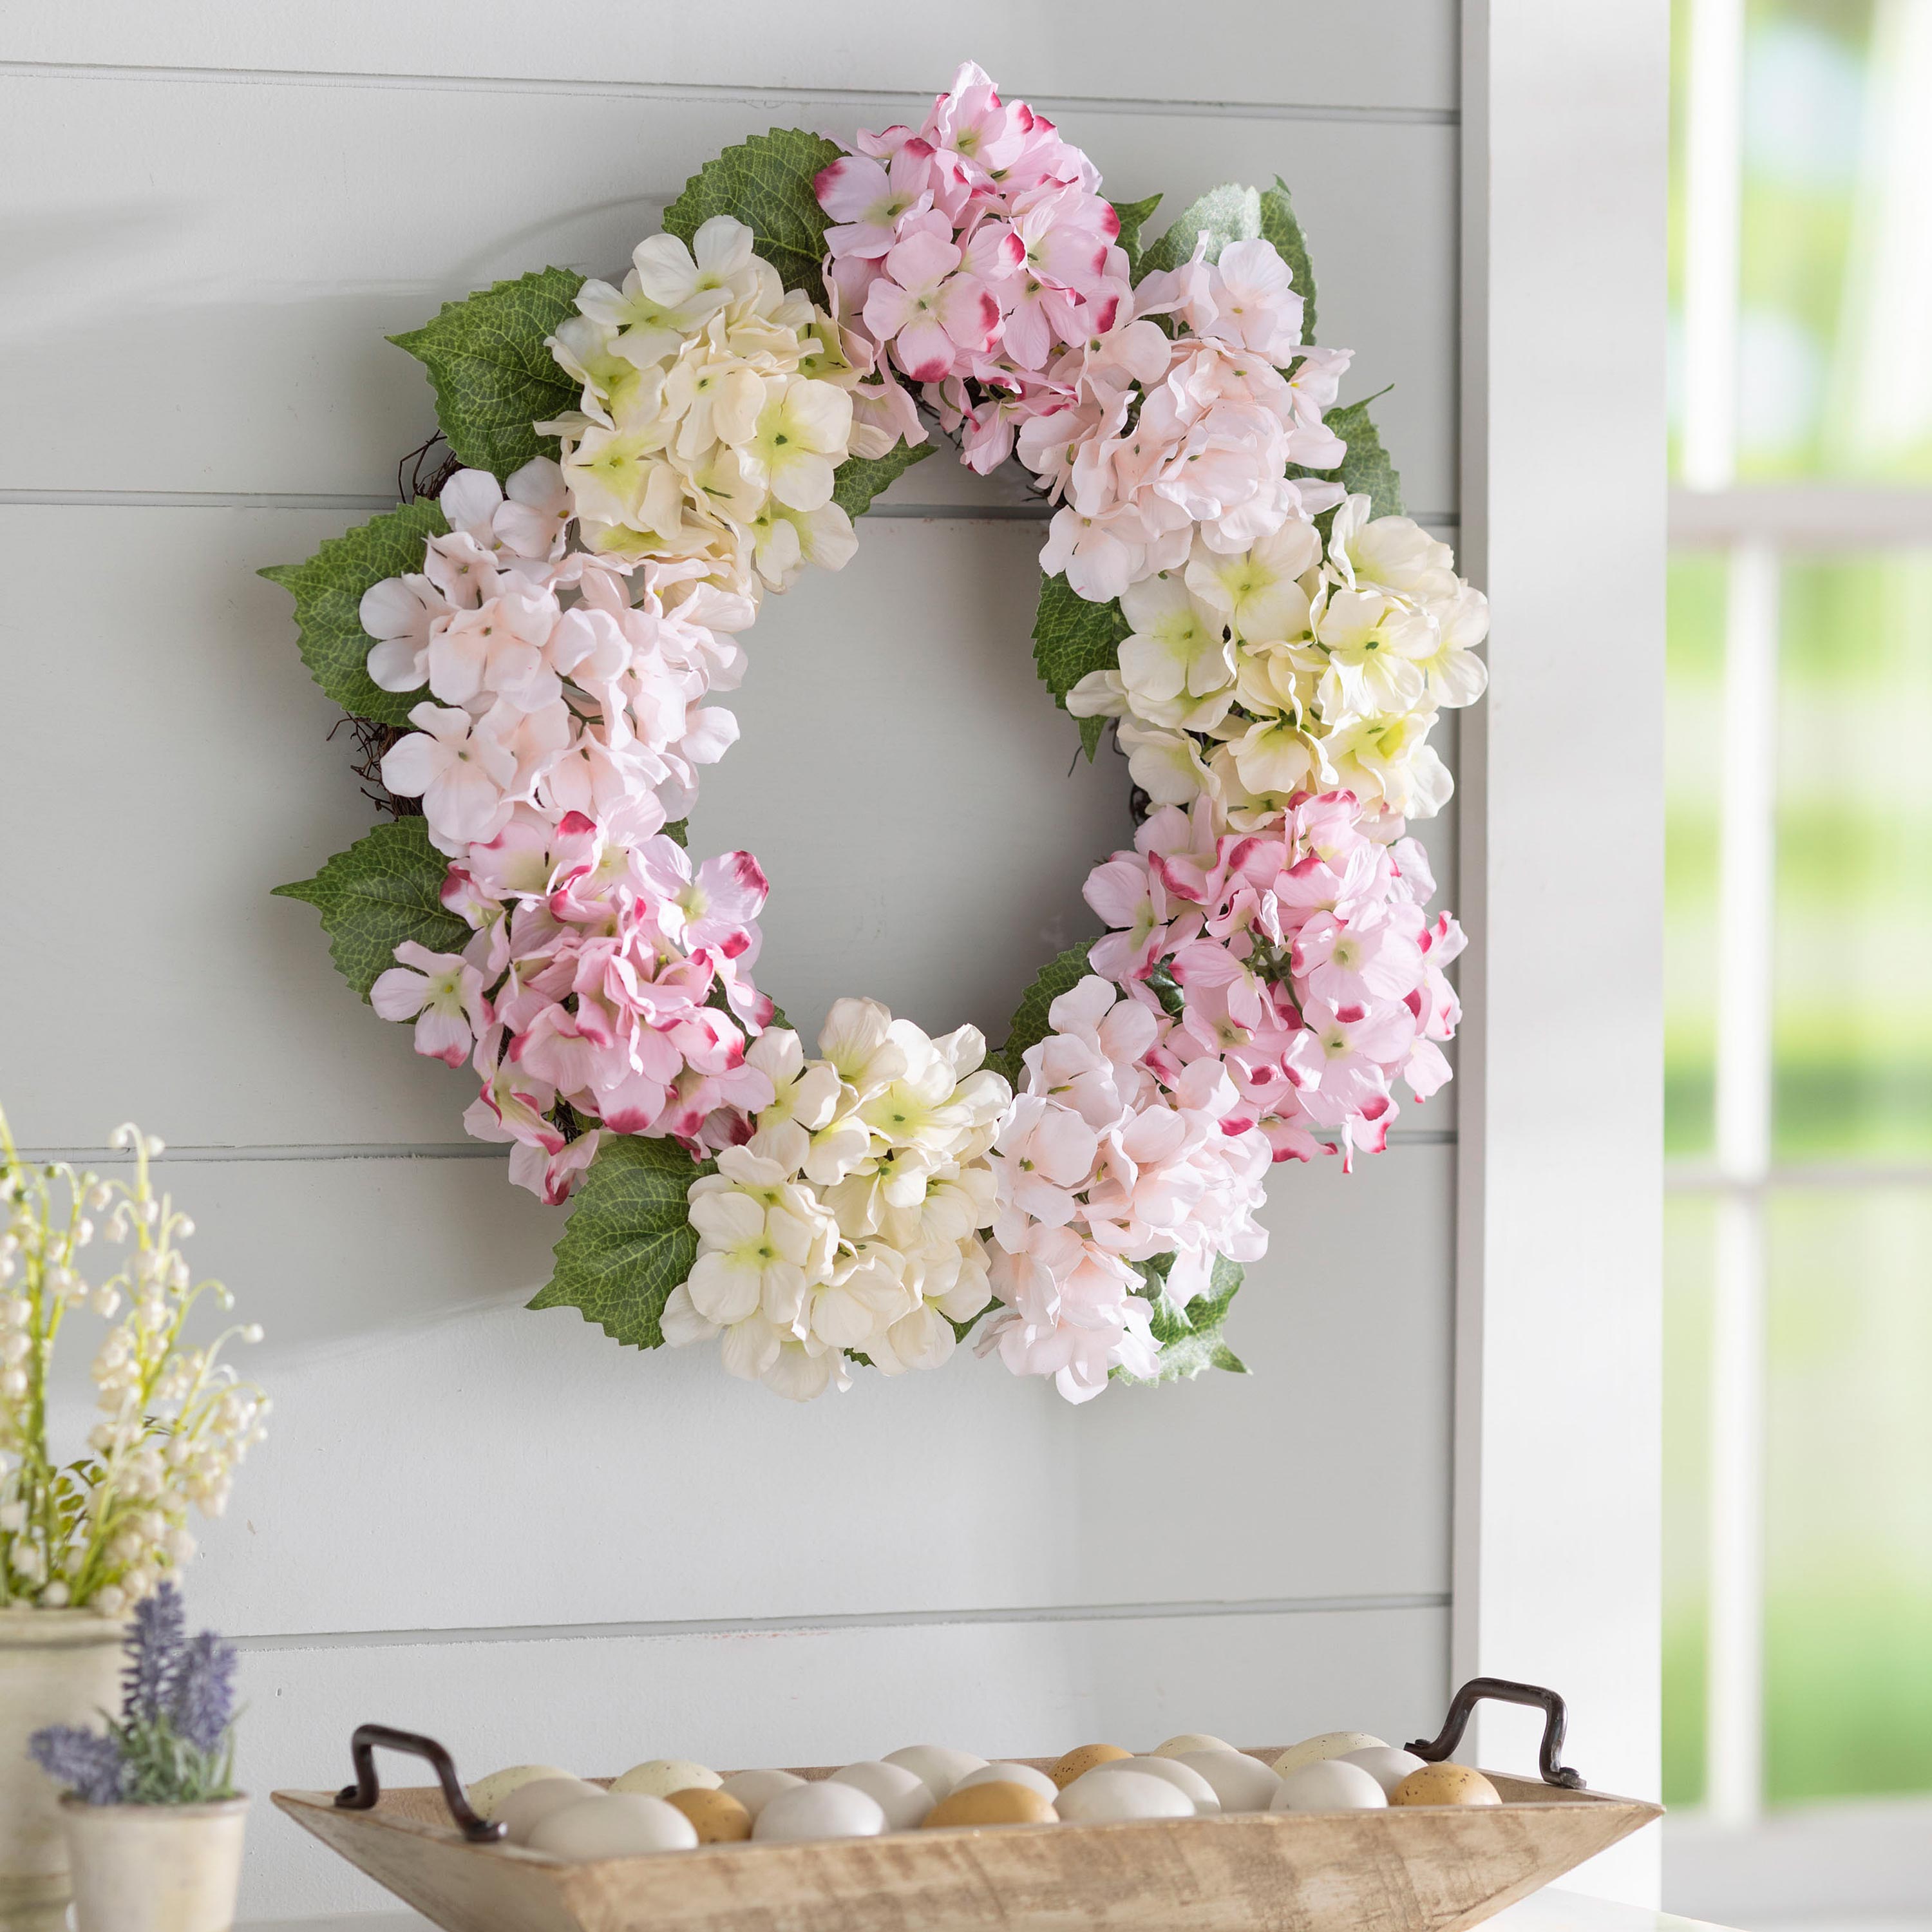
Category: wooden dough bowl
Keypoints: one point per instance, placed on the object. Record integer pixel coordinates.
(1402, 1869)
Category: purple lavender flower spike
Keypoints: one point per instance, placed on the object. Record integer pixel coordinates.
(202, 1700)
(89, 1765)
(154, 1645)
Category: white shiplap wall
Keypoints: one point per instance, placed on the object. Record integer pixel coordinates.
(496, 1525)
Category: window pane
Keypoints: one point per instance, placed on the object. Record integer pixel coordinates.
(1853, 948)
(1848, 1560)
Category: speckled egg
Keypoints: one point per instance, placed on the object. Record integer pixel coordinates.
(755, 1789)
(618, 1826)
(1329, 1784)
(486, 1794)
(1189, 1741)
(1242, 1782)
(997, 1801)
(904, 1797)
(529, 1804)
(1329, 1744)
(1183, 1777)
(716, 1817)
(659, 1776)
(1002, 1772)
(1445, 1784)
(1383, 1762)
(1078, 1763)
(824, 1810)
(1105, 1797)
(937, 1766)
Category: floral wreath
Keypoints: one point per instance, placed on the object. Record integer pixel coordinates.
(1227, 582)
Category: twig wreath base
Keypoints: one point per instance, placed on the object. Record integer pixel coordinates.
(1227, 586)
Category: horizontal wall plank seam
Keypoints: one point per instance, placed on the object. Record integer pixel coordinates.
(1070, 1613)
(730, 95)
(439, 1150)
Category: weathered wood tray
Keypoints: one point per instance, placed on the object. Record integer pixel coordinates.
(1402, 1869)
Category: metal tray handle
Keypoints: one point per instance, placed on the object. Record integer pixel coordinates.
(362, 1795)
(1504, 1692)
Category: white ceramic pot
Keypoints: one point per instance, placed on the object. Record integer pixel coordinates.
(56, 1667)
(155, 1868)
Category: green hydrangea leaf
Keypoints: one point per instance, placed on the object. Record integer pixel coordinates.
(1134, 216)
(494, 378)
(1366, 470)
(1072, 638)
(1224, 214)
(1031, 1023)
(629, 1241)
(1279, 226)
(766, 183)
(859, 479)
(1191, 1340)
(384, 889)
(328, 590)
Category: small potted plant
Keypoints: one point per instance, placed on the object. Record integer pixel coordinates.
(82, 1541)
(151, 1817)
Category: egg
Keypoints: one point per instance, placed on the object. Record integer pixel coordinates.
(1183, 1777)
(996, 1802)
(1007, 1773)
(755, 1789)
(486, 1794)
(825, 1810)
(1242, 1782)
(1101, 1798)
(1189, 1741)
(904, 1797)
(618, 1826)
(1329, 1784)
(937, 1767)
(1082, 1759)
(1445, 1784)
(659, 1776)
(529, 1804)
(1329, 1744)
(1383, 1762)
(717, 1817)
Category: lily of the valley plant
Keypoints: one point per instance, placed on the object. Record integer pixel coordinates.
(172, 1419)
(1227, 586)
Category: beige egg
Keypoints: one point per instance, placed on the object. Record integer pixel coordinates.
(1242, 1782)
(1329, 1784)
(1078, 1763)
(1008, 1773)
(903, 1797)
(1184, 1778)
(1189, 1741)
(487, 1794)
(755, 1789)
(618, 1826)
(529, 1804)
(1329, 1744)
(824, 1810)
(716, 1817)
(659, 1776)
(1383, 1762)
(997, 1801)
(1104, 1797)
(1445, 1784)
(938, 1767)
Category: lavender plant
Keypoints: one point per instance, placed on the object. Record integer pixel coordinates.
(174, 1743)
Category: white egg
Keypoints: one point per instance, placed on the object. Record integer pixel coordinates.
(659, 1776)
(755, 1789)
(1383, 1762)
(1100, 1797)
(825, 1810)
(1189, 1741)
(486, 1794)
(1329, 1744)
(1183, 1777)
(529, 1805)
(904, 1799)
(938, 1768)
(1330, 1784)
(1004, 1771)
(618, 1826)
(1242, 1782)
